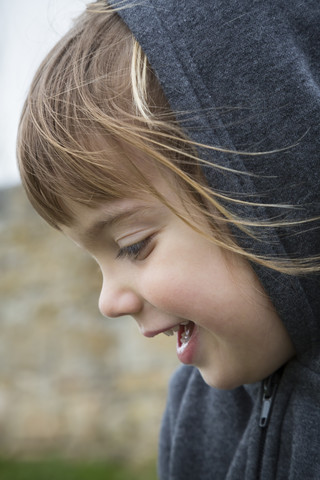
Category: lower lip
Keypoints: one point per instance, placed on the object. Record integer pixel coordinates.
(186, 352)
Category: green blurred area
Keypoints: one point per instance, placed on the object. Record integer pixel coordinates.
(74, 470)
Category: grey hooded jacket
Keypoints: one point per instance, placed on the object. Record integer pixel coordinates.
(251, 71)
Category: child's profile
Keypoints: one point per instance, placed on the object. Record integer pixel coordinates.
(177, 143)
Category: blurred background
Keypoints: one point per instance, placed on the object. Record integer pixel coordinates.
(76, 390)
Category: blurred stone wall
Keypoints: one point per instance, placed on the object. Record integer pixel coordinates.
(72, 383)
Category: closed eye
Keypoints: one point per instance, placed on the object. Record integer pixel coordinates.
(136, 251)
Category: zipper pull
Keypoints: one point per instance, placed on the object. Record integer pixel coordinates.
(270, 386)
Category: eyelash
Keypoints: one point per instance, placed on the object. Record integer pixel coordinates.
(133, 251)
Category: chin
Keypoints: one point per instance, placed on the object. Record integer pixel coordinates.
(222, 380)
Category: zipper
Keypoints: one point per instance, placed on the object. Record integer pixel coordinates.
(269, 390)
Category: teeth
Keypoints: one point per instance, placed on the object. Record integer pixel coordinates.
(185, 336)
(169, 333)
(174, 329)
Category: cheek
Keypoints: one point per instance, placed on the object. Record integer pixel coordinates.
(168, 289)
(185, 292)
(191, 280)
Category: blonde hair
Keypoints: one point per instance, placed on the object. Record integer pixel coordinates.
(95, 104)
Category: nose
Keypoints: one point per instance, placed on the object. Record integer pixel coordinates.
(117, 300)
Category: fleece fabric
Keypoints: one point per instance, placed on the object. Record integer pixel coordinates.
(244, 75)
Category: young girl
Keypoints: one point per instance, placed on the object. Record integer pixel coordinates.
(178, 142)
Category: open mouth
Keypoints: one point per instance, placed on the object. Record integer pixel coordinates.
(184, 332)
(187, 341)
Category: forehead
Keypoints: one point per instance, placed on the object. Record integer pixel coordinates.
(164, 194)
(88, 222)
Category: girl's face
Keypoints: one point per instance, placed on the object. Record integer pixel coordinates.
(168, 277)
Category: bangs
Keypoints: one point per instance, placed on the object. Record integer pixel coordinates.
(77, 101)
(86, 119)
(54, 177)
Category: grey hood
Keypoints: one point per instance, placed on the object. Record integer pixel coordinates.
(253, 69)
(249, 71)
